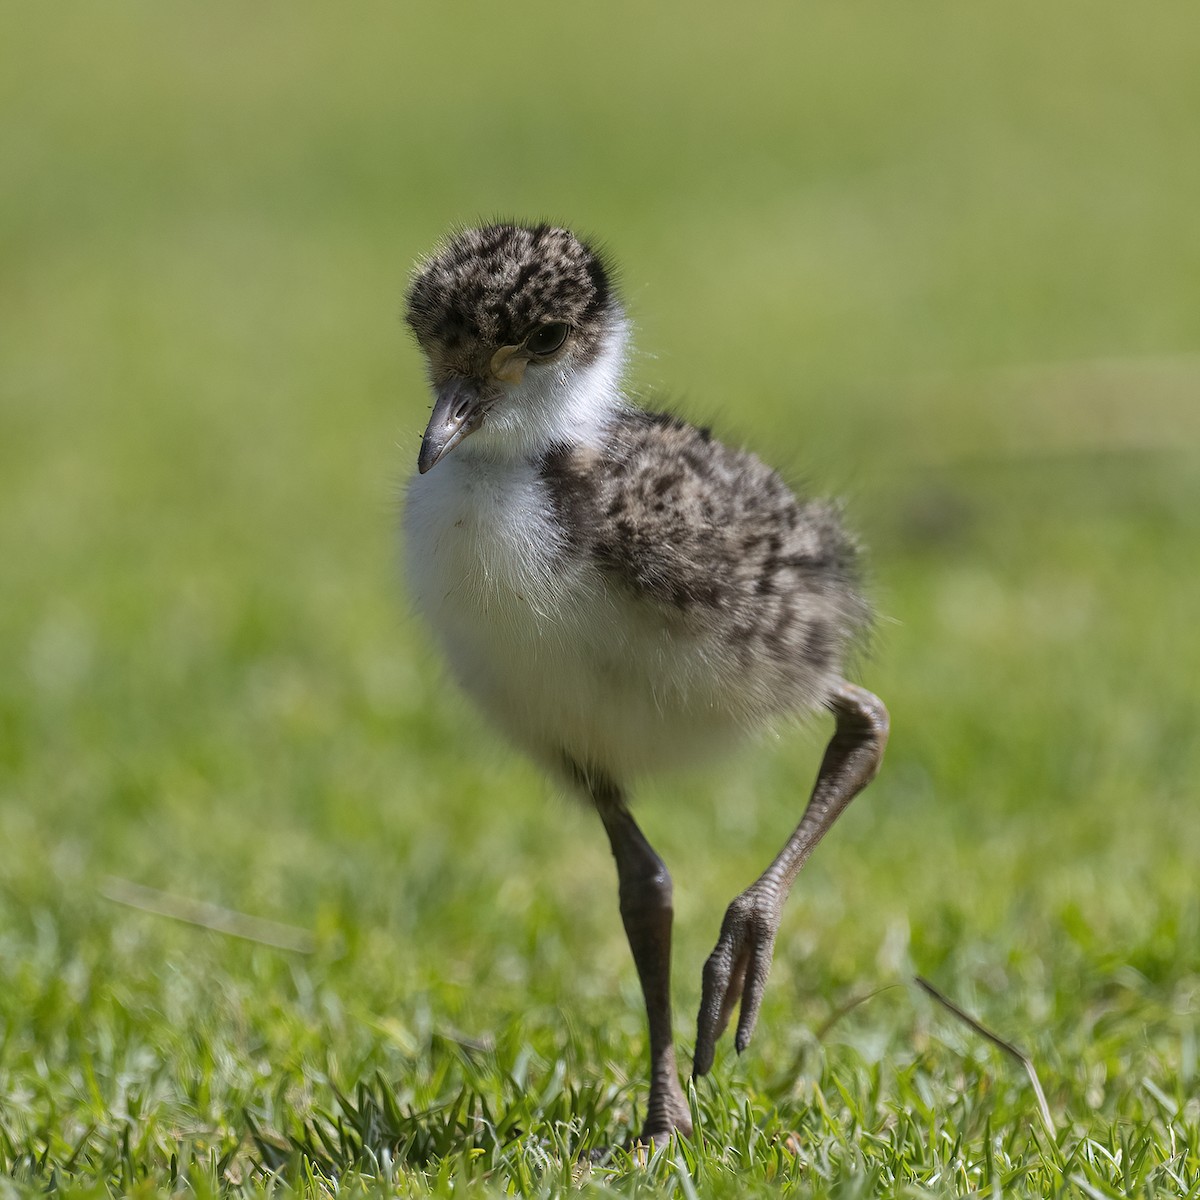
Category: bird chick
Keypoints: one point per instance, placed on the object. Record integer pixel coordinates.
(619, 592)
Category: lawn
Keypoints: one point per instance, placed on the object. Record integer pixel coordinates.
(938, 259)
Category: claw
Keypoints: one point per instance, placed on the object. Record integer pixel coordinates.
(736, 974)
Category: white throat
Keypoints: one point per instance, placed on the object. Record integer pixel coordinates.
(553, 405)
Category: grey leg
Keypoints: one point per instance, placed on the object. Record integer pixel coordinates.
(646, 910)
(737, 969)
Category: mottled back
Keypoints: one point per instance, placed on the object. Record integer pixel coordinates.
(721, 544)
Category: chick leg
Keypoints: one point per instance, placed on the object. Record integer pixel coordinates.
(736, 971)
(647, 912)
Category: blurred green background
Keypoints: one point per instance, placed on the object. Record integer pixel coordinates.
(940, 259)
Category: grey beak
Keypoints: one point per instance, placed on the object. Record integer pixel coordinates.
(457, 413)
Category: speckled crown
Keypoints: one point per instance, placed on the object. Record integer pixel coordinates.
(494, 285)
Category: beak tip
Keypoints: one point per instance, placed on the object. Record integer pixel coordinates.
(457, 413)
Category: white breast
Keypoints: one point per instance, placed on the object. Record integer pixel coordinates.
(556, 657)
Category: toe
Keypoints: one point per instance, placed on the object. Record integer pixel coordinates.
(733, 992)
(717, 973)
(759, 966)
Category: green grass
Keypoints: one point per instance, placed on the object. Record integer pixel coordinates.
(937, 258)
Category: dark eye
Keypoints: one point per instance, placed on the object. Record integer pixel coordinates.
(548, 338)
